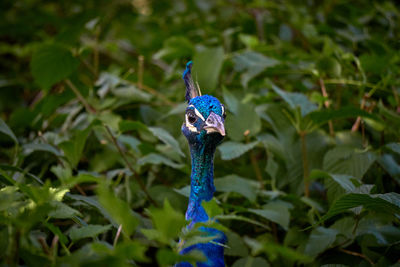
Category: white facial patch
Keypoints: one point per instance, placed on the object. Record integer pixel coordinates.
(190, 126)
(198, 114)
(223, 109)
(211, 130)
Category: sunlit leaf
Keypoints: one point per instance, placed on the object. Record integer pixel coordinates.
(167, 221)
(118, 209)
(212, 209)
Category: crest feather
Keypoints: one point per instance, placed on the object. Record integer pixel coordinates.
(191, 90)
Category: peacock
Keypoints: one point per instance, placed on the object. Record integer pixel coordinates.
(204, 129)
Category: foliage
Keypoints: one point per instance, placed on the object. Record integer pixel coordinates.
(94, 169)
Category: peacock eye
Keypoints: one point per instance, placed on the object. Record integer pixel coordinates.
(191, 117)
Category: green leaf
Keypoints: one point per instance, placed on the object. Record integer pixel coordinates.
(395, 147)
(24, 172)
(63, 211)
(236, 245)
(246, 121)
(295, 100)
(251, 262)
(252, 64)
(30, 148)
(56, 231)
(231, 150)
(90, 230)
(231, 102)
(198, 239)
(234, 183)
(212, 208)
(127, 125)
(272, 167)
(131, 93)
(167, 222)
(7, 131)
(74, 147)
(374, 63)
(51, 64)
(241, 218)
(158, 159)
(131, 250)
(175, 47)
(273, 250)
(207, 66)
(343, 180)
(324, 115)
(392, 118)
(348, 160)
(320, 239)
(165, 136)
(89, 201)
(388, 203)
(329, 66)
(277, 212)
(166, 257)
(118, 209)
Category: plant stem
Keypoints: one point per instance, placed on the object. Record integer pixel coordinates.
(357, 255)
(117, 235)
(358, 121)
(348, 82)
(80, 97)
(96, 54)
(140, 182)
(140, 72)
(326, 103)
(305, 162)
(256, 168)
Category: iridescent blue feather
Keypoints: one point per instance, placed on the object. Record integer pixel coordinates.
(202, 144)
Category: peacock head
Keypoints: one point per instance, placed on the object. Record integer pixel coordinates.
(204, 117)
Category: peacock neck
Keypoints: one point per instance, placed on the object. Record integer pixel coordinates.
(202, 181)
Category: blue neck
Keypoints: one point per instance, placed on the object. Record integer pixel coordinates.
(202, 181)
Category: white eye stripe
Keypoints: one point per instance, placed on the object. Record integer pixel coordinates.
(223, 109)
(198, 114)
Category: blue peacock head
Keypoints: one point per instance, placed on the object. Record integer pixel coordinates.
(204, 117)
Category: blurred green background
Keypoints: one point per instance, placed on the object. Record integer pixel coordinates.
(94, 170)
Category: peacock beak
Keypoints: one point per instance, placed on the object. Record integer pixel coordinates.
(214, 124)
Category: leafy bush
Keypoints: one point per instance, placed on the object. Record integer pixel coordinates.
(94, 169)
